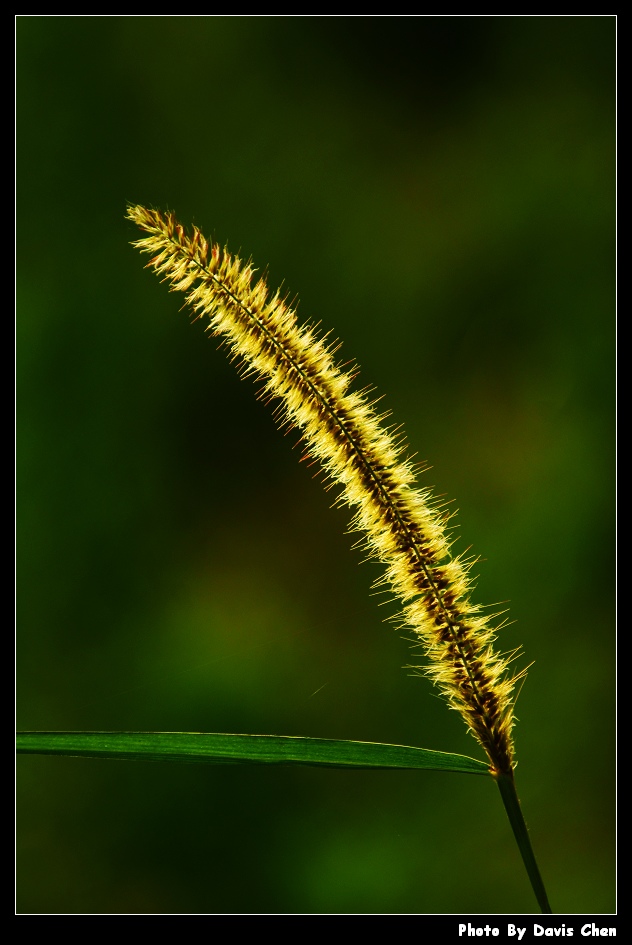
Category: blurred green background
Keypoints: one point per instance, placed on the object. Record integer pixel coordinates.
(439, 191)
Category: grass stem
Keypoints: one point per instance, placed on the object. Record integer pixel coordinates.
(507, 787)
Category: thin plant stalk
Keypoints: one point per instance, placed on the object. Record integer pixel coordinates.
(507, 786)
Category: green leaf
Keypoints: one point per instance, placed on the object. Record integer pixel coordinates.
(239, 749)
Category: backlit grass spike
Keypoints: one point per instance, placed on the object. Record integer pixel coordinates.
(401, 525)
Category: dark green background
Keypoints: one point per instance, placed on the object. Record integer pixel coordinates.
(439, 191)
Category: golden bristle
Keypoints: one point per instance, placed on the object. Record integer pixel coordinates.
(401, 526)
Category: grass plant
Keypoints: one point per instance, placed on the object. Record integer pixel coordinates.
(400, 525)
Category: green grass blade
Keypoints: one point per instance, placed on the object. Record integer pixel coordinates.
(240, 749)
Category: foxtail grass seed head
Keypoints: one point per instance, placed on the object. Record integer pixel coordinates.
(401, 525)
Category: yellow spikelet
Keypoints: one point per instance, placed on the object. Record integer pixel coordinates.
(342, 430)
